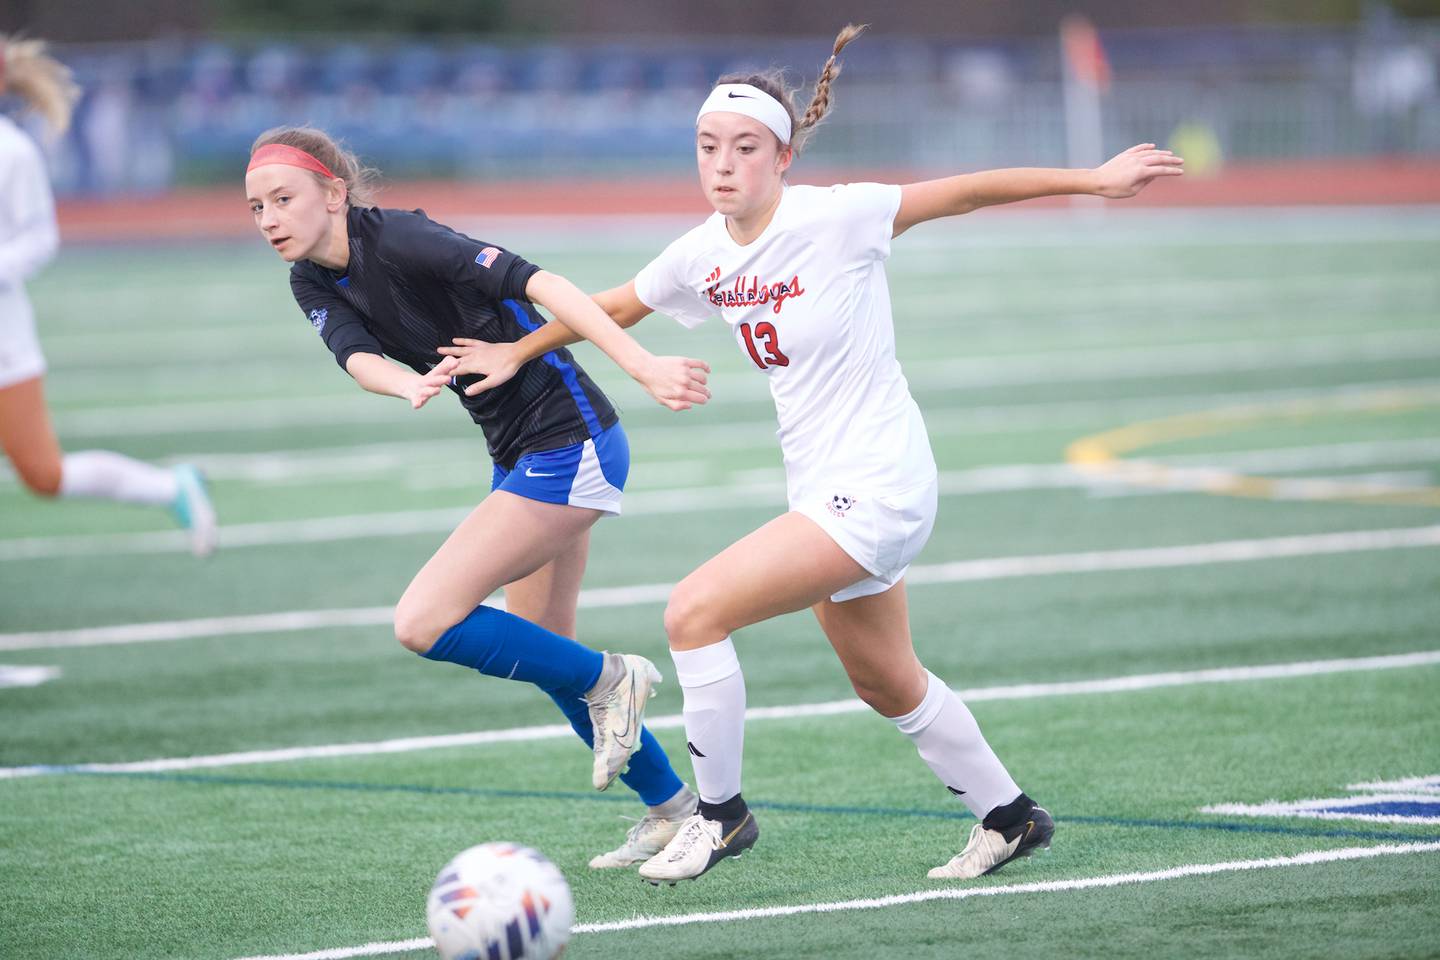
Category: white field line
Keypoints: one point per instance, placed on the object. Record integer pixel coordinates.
(746, 494)
(992, 303)
(1019, 477)
(1092, 365)
(1429, 785)
(1208, 480)
(402, 523)
(13, 676)
(1003, 284)
(1146, 363)
(1048, 417)
(1195, 294)
(1024, 691)
(748, 489)
(267, 413)
(231, 414)
(1333, 809)
(418, 459)
(1310, 858)
(1325, 456)
(279, 346)
(1147, 558)
(961, 571)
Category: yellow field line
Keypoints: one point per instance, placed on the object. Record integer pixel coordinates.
(1103, 454)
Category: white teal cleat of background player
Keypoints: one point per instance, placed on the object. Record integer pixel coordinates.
(193, 510)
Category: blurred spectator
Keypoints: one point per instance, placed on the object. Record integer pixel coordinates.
(166, 112)
(105, 128)
(1391, 85)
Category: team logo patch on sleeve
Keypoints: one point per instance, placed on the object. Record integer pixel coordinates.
(318, 318)
(487, 257)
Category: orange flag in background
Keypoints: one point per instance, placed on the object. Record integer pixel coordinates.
(1084, 56)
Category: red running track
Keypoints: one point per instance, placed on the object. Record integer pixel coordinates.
(221, 213)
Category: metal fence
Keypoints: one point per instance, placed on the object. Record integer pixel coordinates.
(161, 114)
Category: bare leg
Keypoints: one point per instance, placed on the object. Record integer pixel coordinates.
(29, 442)
(505, 539)
(787, 565)
(548, 596)
(871, 635)
(27, 437)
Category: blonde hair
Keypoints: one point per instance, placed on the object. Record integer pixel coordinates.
(774, 83)
(362, 183)
(39, 79)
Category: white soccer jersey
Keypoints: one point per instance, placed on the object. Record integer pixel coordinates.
(28, 239)
(809, 305)
(28, 236)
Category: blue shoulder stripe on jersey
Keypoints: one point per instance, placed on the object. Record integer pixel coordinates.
(567, 372)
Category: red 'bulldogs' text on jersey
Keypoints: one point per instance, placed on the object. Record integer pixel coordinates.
(809, 305)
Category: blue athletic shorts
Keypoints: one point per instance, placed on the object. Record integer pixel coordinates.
(590, 474)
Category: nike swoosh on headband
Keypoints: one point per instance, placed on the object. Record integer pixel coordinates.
(758, 105)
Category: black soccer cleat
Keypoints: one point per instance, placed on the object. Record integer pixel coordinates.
(699, 845)
(990, 849)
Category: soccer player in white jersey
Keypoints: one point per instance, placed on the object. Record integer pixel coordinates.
(798, 274)
(28, 240)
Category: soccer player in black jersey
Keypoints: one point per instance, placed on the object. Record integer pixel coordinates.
(390, 285)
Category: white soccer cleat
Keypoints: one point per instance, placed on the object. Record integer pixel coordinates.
(699, 845)
(617, 717)
(989, 850)
(192, 507)
(642, 841)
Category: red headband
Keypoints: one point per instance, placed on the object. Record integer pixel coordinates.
(290, 157)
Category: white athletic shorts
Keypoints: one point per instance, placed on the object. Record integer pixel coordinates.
(20, 356)
(883, 532)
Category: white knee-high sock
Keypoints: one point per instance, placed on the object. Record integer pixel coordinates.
(714, 715)
(112, 476)
(951, 744)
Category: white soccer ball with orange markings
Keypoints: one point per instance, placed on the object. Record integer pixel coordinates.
(500, 901)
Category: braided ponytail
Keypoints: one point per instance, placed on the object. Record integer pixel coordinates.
(820, 105)
(773, 82)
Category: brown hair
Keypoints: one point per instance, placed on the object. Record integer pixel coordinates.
(39, 79)
(362, 183)
(773, 82)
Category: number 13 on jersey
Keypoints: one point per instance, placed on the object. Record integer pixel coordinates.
(763, 344)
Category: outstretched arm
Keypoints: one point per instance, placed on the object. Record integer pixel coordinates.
(378, 375)
(1122, 176)
(676, 382)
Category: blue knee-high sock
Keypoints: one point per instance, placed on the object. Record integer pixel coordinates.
(500, 644)
(649, 774)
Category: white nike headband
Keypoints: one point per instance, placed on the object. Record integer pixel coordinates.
(752, 102)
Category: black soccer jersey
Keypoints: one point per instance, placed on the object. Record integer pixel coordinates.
(413, 285)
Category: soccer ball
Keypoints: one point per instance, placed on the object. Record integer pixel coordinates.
(500, 901)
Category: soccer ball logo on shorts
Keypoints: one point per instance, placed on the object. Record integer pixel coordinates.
(500, 901)
(318, 318)
(839, 504)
